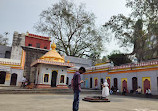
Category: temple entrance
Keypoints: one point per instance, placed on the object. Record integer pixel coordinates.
(101, 82)
(2, 77)
(134, 83)
(67, 81)
(90, 82)
(13, 79)
(115, 83)
(54, 79)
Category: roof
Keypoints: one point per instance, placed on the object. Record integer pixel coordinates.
(51, 63)
(79, 61)
(38, 36)
(52, 57)
(9, 62)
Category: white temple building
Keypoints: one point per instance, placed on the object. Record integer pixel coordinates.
(51, 70)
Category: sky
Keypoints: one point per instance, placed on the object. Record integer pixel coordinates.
(21, 15)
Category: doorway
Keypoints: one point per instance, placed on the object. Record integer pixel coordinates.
(115, 83)
(90, 82)
(146, 85)
(13, 79)
(67, 81)
(134, 83)
(124, 85)
(54, 79)
(101, 82)
(2, 77)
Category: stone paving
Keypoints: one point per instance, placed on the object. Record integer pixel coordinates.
(57, 102)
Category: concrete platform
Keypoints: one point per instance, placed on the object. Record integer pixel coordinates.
(95, 99)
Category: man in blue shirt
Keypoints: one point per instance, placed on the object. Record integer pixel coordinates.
(77, 87)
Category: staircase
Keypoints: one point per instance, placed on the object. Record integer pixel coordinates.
(17, 90)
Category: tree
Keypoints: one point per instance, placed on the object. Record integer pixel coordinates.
(104, 59)
(137, 29)
(119, 59)
(3, 40)
(72, 28)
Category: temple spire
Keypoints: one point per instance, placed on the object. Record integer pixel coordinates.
(53, 46)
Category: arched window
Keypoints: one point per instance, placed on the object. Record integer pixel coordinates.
(46, 77)
(7, 54)
(67, 81)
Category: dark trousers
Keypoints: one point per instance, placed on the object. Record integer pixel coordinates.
(76, 100)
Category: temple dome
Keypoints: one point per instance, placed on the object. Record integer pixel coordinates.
(53, 55)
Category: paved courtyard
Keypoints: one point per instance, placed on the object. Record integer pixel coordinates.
(53, 102)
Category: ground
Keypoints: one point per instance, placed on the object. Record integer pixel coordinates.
(57, 102)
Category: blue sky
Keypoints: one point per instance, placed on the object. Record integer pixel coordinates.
(21, 15)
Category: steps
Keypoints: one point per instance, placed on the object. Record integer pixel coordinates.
(18, 90)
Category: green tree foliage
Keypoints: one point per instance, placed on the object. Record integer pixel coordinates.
(3, 40)
(119, 59)
(72, 28)
(137, 29)
(104, 59)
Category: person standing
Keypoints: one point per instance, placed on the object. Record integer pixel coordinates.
(105, 90)
(76, 86)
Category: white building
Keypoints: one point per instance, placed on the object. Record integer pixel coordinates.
(51, 70)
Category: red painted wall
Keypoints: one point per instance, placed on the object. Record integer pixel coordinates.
(34, 41)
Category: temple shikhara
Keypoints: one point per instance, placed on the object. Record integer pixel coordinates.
(30, 55)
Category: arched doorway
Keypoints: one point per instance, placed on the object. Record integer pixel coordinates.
(124, 84)
(54, 79)
(134, 83)
(101, 82)
(90, 82)
(67, 81)
(96, 83)
(115, 83)
(2, 77)
(108, 81)
(146, 85)
(13, 79)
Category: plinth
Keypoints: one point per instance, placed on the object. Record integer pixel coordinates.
(95, 99)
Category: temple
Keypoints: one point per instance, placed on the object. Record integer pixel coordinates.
(30, 56)
(51, 70)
